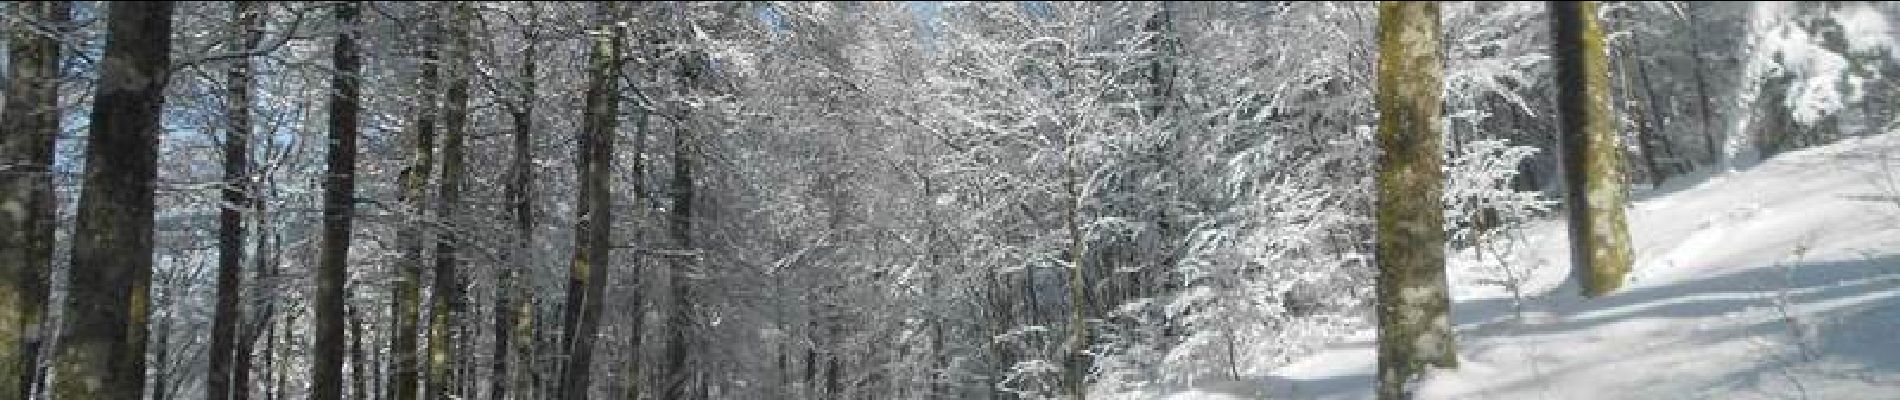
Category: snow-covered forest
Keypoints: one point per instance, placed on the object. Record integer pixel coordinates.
(949, 200)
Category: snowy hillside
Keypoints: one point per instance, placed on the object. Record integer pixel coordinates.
(1777, 281)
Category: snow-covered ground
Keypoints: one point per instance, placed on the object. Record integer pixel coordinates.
(1781, 280)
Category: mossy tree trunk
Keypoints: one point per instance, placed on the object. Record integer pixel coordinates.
(1414, 304)
(28, 126)
(587, 279)
(445, 304)
(103, 351)
(513, 309)
(1592, 159)
(405, 371)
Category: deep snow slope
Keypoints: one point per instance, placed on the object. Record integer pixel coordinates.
(1781, 280)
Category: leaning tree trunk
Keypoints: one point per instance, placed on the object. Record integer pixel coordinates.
(1414, 305)
(1592, 160)
(28, 125)
(446, 303)
(339, 192)
(103, 350)
(587, 281)
(248, 26)
(407, 311)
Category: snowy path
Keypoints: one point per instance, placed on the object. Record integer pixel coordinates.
(1700, 318)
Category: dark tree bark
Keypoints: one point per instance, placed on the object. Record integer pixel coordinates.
(1076, 346)
(248, 25)
(103, 354)
(679, 321)
(407, 312)
(1707, 108)
(279, 379)
(1659, 141)
(265, 271)
(161, 348)
(267, 387)
(28, 126)
(1640, 115)
(587, 279)
(1414, 303)
(1646, 111)
(359, 372)
(637, 310)
(339, 193)
(1592, 160)
(512, 333)
(445, 305)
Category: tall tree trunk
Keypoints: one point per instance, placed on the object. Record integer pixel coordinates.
(339, 192)
(587, 279)
(512, 333)
(248, 26)
(637, 310)
(103, 354)
(464, 333)
(407, 311)
(938, 375)
(679, 320)
(446, 303)
(28, 125)
(1414, 305)
(1592, 160)
(1075, 357)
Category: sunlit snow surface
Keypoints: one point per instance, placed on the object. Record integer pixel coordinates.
(1700, 317)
